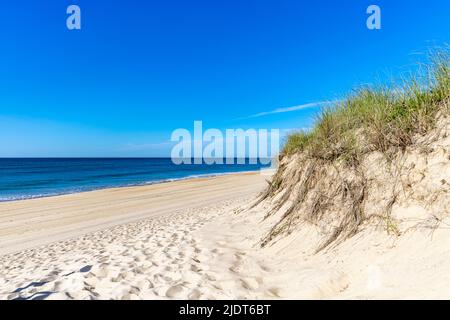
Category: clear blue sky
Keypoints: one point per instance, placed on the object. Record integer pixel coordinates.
(139, 69)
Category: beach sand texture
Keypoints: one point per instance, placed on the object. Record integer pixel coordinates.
(52, 247)
(199, 239)
(39, 221)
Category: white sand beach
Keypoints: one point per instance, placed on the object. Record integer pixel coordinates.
(137, 242)
(224, 150)
(198, 239)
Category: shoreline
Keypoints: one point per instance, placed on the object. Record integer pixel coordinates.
(149, 183)
(34, 222)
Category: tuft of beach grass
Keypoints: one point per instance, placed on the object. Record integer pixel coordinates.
(379, 118)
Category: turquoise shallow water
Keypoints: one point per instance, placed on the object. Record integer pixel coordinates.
(32, 178)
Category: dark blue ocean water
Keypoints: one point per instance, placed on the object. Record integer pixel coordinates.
(32, 178)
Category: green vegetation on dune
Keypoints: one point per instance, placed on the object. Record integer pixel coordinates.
(378, 119)
(327, 178)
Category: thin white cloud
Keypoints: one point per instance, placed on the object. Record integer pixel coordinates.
(288, 109)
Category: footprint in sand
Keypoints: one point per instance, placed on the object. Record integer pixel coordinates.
(194, 268)
(175, 292)
(210, 277)
(194, 295)
(250, 283)
(274, 292)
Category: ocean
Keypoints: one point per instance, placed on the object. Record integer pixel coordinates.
(27, 178)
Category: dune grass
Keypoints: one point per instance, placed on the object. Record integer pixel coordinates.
(378, 118)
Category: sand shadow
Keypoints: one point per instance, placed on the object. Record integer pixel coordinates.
(44, 294)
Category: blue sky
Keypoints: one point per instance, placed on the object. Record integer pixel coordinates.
(139, 69)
